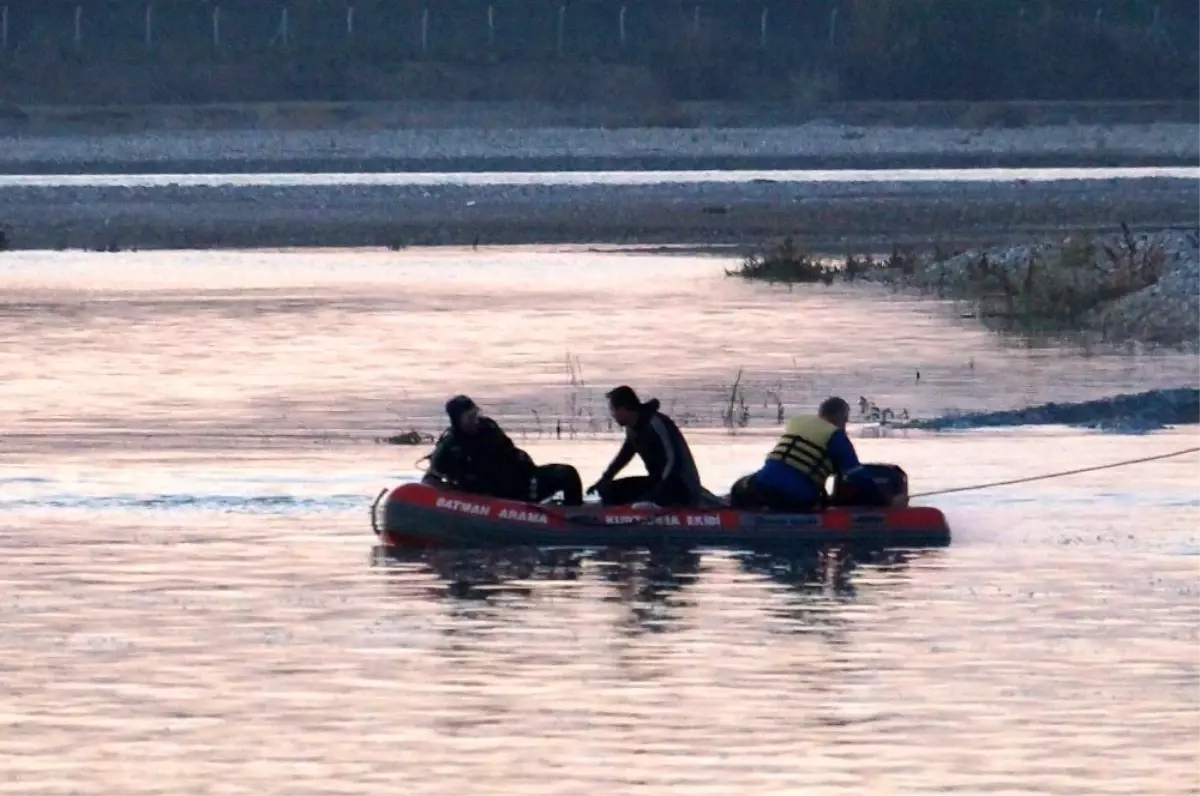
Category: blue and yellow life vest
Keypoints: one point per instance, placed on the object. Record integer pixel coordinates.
(804, 447)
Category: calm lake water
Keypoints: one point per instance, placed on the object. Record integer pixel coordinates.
(188, 604)
(615, 177)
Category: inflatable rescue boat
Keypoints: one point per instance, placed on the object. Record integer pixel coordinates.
(418, 515)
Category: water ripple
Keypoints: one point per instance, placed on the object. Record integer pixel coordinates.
(188, 601)
(273, 504)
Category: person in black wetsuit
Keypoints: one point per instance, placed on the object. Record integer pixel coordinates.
(673, 479)
(475, 455)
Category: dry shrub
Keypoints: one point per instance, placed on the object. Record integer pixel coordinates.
(1059, 289)
(786, 263)
(737, 412)
(410, 437)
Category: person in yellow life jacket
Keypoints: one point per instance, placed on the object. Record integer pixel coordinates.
(811, 449)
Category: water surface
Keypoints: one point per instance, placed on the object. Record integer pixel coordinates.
(189, 606)
(616, 177)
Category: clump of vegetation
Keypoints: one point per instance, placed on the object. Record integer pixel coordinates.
(774, 395)
(1036, 288)
(410, 437)
(1051, 288)
(579, 400)
(787, 263)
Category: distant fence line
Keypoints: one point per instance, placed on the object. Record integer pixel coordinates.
(500, 28)
(462, 28)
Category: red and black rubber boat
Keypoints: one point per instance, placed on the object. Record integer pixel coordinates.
(422, 516)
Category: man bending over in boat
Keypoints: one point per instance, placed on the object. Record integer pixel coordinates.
(812, 448)
(673, 479)
(475, 455)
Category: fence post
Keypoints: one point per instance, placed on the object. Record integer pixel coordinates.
(695, 22)
(283, 27)
(425, 30)
(349, 21)
(562, 25)
(78, 25)
(4, 28)
(833, 15)
(216, 26)
(491, 19)
(149, 26)
(762, 30)
(621, 26)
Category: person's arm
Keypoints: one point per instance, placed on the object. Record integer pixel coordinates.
(623, 457)
(503, 442)
(508, 450)
(841, 451)
(444, 462)
(846, 463)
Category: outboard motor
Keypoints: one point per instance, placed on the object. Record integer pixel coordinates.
(891, 481)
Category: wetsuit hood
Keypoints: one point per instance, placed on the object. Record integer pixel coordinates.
(649, 408)
(456, 407)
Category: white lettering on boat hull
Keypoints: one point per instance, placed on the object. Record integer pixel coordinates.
(463, 506)
(634, 519)
(517, 515)
(690, 520)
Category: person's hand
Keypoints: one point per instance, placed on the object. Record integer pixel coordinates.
(596, 487)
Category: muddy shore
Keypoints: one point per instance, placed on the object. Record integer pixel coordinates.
(834, 216)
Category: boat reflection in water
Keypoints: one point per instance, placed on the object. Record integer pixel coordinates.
(654, 584)
(485, 574)
(827, 571)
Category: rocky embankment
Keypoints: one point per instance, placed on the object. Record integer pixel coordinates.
(1129, 413)
(1120, 286)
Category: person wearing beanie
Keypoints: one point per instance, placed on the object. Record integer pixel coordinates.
(673, 479)
(475, 455)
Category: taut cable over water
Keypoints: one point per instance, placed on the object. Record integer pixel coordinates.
(952, 490)
(1048, 476)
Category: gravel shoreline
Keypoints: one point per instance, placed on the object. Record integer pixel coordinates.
(815, 145)
(829, 215)
(819, 214)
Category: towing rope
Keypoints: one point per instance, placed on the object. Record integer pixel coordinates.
(1055, 475)
(581, 519)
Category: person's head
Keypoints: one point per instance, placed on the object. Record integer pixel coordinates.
(624, 405)
(836, 411)
(463, 414)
